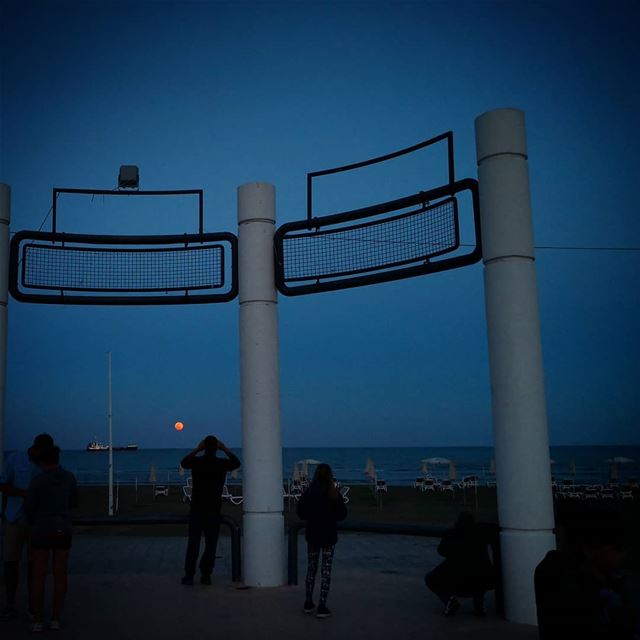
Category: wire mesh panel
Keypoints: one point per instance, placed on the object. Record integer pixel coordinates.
(369, 245)
(130, 270)
(84, 269)
(418, 235)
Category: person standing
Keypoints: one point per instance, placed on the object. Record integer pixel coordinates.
(208, 474)
(321, 505)
(51, 496)
(20, 468)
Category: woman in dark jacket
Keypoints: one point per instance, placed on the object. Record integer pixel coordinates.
(321, 505)
(467, 570)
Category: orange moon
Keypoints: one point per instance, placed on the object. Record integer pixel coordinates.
(179, 426)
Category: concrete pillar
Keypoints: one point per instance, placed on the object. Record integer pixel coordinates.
(263, 519)
(525, 500)
(5, 220)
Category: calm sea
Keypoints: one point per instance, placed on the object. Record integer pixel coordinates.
(397, 465)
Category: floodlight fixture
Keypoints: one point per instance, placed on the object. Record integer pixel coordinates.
(129, 177)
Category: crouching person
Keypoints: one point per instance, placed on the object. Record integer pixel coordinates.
(467, 571)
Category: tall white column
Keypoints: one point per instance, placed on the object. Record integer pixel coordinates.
(263, 519)
(5, 220)
(525, 501)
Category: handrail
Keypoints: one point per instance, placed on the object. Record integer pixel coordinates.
(172, 518)
(427, 531)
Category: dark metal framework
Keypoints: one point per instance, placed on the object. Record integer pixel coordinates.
(366, 246)
(123, 270)
(448, 136)
(114, 192)
(440, 238)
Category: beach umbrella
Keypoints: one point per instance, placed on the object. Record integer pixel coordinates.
(572, 467)
(613, 465)
(153, 474)
(424, 468)
(305, 464)
(492, 466)
(452, 470)
(296, 476)
(370, 469)
(436, 460)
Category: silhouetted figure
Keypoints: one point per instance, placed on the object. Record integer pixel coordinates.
(19, 469)
(208, 473)
(580, 590)
(51, 496)
(321, 505)
(467, 570)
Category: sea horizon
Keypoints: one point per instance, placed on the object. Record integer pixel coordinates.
(398, 465)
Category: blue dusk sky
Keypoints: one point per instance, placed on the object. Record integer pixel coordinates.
(213, 95)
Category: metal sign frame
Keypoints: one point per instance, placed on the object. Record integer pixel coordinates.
(427, 266)
(16, 267)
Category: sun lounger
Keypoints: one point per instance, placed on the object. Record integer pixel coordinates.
(292, 493)
(447, 485)
(591, 493)
(229, 496)
(626, 492)
(468, 481)
(429, 485)
(186, 493)
(418, 482)
(381, 485)
(160, 490)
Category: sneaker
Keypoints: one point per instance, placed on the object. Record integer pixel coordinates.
(54, 625)
(37, 627)
(322, 611)
(8, 613)
(308, 606)
(187, 580)
(205, 579)
(452, 606)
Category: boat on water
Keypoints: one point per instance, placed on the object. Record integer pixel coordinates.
(101, 446)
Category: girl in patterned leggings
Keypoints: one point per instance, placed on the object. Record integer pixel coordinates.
(321, 506)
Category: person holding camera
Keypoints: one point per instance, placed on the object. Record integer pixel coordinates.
(208, 475)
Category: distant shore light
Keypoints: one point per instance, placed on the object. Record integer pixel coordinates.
(179, 426)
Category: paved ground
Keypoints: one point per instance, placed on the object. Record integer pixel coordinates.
(128, 588)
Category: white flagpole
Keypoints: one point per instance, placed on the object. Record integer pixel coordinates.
(110, 444)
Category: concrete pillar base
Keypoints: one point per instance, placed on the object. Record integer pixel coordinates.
(268, 528)
(522, 551)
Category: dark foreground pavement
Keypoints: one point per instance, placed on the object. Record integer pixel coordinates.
(129, 588)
